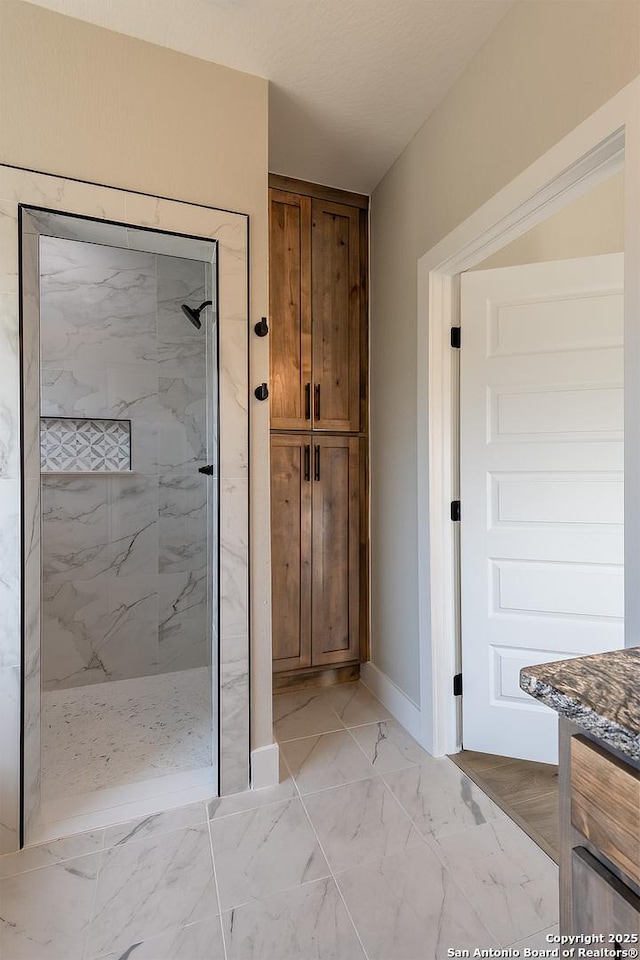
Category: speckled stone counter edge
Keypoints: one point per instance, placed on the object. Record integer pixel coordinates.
(605, 729)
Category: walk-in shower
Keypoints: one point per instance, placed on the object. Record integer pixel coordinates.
(129, 519)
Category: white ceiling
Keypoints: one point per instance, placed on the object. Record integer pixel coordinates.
(351, 80)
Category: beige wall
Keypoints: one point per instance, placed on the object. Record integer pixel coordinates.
(591, 225)
(548, 65)
(84, 102)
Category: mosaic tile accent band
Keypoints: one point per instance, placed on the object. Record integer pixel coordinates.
(81, 445)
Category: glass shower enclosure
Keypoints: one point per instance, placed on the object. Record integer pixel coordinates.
(129, 548)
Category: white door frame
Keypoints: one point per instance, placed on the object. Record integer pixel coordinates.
(602, 145)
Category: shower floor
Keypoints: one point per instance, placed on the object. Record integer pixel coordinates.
(126, 731)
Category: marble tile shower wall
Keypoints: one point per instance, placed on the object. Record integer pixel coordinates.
(125, 556)
(22, 194)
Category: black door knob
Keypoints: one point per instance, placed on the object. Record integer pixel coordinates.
(261, 392)
(208, 469)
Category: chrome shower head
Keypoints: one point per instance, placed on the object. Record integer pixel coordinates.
(193, 313)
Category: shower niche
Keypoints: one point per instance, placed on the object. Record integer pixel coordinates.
(82, 445)
(121, 694)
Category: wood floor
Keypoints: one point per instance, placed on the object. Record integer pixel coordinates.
(526, 791)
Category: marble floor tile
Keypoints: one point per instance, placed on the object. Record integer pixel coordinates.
(325, 761)
(150, 887)
(509, 879)
(355, 705)
(198, 941)
(45, 913)
(407, 907)
(125, 731)
(440, 798)
(538, 941)
(45, 854)
(303, 714)
(156, 824)
(388, 746)
(309, 923)
(264, 851)
(360, 822)
(252, 799)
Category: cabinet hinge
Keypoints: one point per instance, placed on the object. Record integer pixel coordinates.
(455, 337)
(457, 685)
(455, 510)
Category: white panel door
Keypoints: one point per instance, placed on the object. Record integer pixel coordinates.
(541, 486)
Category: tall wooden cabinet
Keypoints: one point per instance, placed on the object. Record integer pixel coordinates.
(318, 331)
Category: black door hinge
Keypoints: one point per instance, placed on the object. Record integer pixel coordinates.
(455, 510)
(457, 685)
(455, 337)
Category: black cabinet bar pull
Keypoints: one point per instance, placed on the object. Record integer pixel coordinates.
(307, 462)
(316, 402)
(307, 401)
(316, 462)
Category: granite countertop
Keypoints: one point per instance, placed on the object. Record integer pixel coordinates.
(600, 692)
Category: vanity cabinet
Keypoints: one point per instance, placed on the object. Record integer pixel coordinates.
(599, 837)
(600, 901)
(318, 286)
(315, 546)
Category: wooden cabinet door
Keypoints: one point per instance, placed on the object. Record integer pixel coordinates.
(291, 551)
(601, 903)
(290, 310)
(335, 296)
(335, 549)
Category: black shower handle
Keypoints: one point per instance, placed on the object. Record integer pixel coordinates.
(208, 470)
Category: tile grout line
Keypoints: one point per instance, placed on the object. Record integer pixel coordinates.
(94, 900)
(215, 881)
(278, 893)
(431, 837)
(163, 833)
(293, 779)
(261, 806)
(345, 726)
(51, 863)
(309, 736)
(334, 878)
(361, 748)
(428, 842)
(340, 719)
(431, 842)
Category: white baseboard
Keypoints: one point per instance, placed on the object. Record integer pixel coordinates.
(392, 697)
(265, 766)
